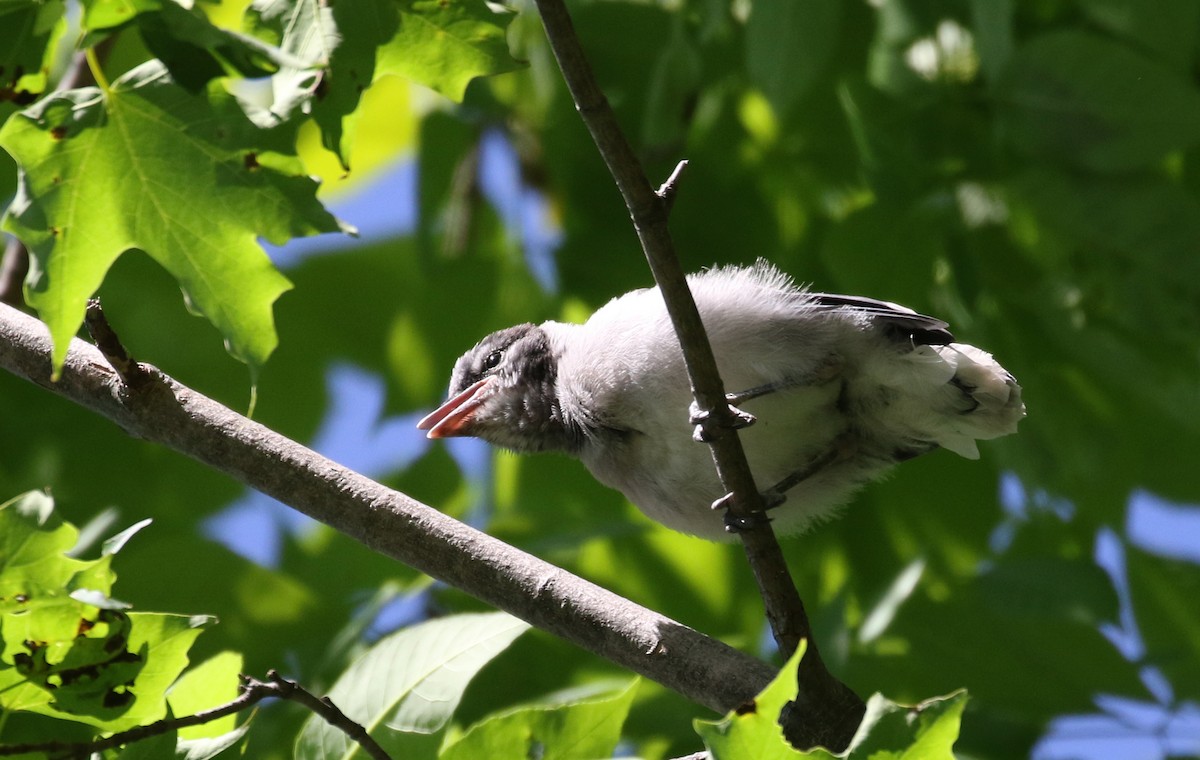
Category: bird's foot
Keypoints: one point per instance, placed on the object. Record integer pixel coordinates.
(739, 523)
(829, 369)
(843, 447)
(705, 421)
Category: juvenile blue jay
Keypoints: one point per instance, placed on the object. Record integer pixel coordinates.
(841, 387)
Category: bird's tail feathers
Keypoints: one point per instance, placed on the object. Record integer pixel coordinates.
(988, 400)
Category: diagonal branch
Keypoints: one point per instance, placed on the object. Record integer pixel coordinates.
(165, 412)
(826, 710)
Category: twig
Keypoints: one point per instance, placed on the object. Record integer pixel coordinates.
(391, 523)
(110, 345)
(253, 691)
(669, 188)
(324, 707)
(649, 211)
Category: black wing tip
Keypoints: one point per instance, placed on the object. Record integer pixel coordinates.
(899, 322)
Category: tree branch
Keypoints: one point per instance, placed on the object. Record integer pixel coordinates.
(826, 702)
(253, 691)
(648, 211)
(165, 412)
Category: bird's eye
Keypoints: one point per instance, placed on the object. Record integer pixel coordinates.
(492, 360)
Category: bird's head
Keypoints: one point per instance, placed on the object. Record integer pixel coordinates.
(504, 391)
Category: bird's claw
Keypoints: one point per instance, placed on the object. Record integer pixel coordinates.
(735, 523)
(705, 421)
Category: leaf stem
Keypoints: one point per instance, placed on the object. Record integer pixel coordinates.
(97, 70)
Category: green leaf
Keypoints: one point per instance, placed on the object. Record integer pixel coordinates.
(187, 179)
(181, 35)
(889, 731)
(34, 541)
(29, 33)
(992, 25)
(165, 639)
(195, 51)
(884, 248)
(406, 687)
(211, 683)
(896, 732)
(753, 730)
(343, 40)
(789, 46)
(584, 728)
(151, 748)
(1078, 98)
(1163, 28)
(304, 30)
(1163, 592)
(674, 81)
(102, 15)
(65, 657)
(203, 749)
(444, 44)
(112, 675)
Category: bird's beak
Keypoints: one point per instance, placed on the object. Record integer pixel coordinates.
(453, 418)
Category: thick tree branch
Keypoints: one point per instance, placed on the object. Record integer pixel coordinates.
(252, 692)
(391, 523)
(827, 708)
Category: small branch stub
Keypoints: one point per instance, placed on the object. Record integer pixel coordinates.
(110, 345)
(669, 188)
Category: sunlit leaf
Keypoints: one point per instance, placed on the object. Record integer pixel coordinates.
(208, 684)
(583, 728)
(106, 172)
(444, 44)
(29, 32)
(405, 688)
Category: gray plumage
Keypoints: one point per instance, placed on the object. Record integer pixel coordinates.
(875, 381)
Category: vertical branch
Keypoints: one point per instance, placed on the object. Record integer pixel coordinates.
(826, 711)
(648, 211)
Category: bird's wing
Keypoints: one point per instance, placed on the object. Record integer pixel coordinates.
(899, 321)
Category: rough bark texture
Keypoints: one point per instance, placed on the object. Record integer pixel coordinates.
(391, 523)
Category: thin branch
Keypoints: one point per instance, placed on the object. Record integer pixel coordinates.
(252, 692)
(649, 213)
(825, 700)
(328, 711)
(391, 523)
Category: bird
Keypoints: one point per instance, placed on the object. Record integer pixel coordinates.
(839, 390)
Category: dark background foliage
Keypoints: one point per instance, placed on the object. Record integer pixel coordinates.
(1026, 170)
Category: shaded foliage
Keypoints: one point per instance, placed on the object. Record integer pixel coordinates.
(1026, 171)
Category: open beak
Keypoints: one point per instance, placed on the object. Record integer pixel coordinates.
(453, 418)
